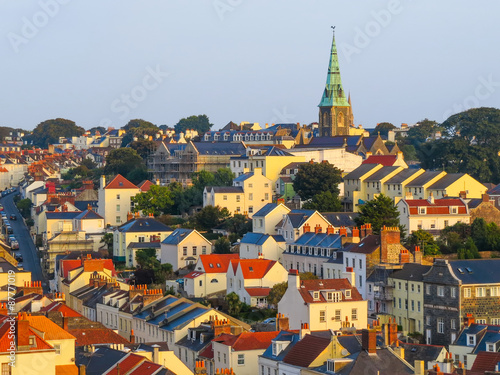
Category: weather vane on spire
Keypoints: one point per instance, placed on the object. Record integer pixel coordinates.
(333, 28)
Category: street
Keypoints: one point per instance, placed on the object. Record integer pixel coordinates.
(27, 248)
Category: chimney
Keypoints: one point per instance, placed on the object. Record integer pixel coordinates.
(399, 350)
(462, 195)
(132, 336)
(419, 367)
(389, 236)
(355, 235)
(33, 287)
(404, 256)
(469, 319)
(65, 322)
(486, 198)
(343, 231)
(221, 326)
(304, 330)
(130, 216)
(156, 353)
(307, 228)
(393, 331)
(200, 368)
(368, 229)
(350, 275)
(330, 229)
(22, 332)
(3, 309)
(82, 370)
(294, 278)
(417, 255)
(317, 229)
(102, 182)
(157, 182)
(282, 322)
(431, 198)
(369, 340)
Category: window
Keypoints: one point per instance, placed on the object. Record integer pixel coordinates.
(316, 295)
(495, 291)
(440, 325)
(347, 293)
(490, 347)
(117, 196)
(194, 250)
(428, 320)
(412, 287)
(224, 197)
(418, 306)
(360, 265)
(399, 303)
(446, 223)
(453, 324)
(266, 196)
(141, 239)
(185, 251)
(250, 209)
(117, 208)
(481, 292)
(337, 315)
(225, 357)
(467, 293)
(237, 198)
(354, 314)
(453, 292)
(399, 285)
(440, 291)
(118, 220)
(6, 369)
(250, 196)
(471, 340)
(322, 316)
(412, 305)
(241, 359)
(203, 250)
(418, 288)
(57, 347)
(427, 289)
(218, 355)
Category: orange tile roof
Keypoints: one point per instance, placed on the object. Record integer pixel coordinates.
(66, 370)
(51, 330)
(145, 185)
(385, 160)
(62, 308)
(308, 286)
(255, 268)
(120, 182)
(5, 340)
(90, 336)
(258, 292)
(217, 263)
(126, 364)
(146, 368)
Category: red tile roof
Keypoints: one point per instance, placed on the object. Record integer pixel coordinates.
(145, 185)
(208, 352)
(385, 160)
(50, 329)
(258, 292)
(120, 182)
(247, 340)
(306, 350)
(439, 207)
(485, 361)
(90, 336)
(126, 364)
(146, 368)
(62, 308)
(68, 265)
(254, 268)
(66, 370)
(5, 340)
(327, 285)
(193, 274)
(217, 263)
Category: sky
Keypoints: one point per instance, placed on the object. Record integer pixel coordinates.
(102, 63)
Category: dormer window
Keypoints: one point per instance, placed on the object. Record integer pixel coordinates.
(421, 210)
(347, 293)
(453, 210)
(316, 295)
(471, 340)
(490, 347)
(333, 296)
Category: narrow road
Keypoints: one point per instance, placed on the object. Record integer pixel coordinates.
(27, 248)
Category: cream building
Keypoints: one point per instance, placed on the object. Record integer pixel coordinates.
(183, 247)
(339, 157)
(254, 245)
(252, 279)
(355, 187)
(250, 192)
(408, 293)
(297, 222)
(265, 220)
(115, 200)
(323, 304)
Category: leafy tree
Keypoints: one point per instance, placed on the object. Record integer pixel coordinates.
(378, 212)
(425, 240)
(324, 202)
(87, 163)
(479, 233)
(99, 129)
(312, 179)
(409, 152)
(223, 177)
(276, 293)
(201, 123)
(138, 128)
(137, 174)
(48, 132)
(222, 246)
(210, 216)
(144, 147)
(238, 224)
(146, 260)
(234, 304)
(108, 239)
(308, 276)
(157, 200)
(122, 161)
(24, 207)
(383, 128)
(424, 129)
(469, 250)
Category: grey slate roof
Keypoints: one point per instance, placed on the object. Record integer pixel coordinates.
(144, 224)
(411, 272)
(381, 173)
(423, 178)
(341, 219)
(225, 189)
(61, 215)
(477, 271)
(402, 176)
(298, 217)
(446, 181)
(360, 171)
(421, 352)
(177, 236)
(88, 215)
(220, 148)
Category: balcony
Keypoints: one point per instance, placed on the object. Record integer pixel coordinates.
(383, 295)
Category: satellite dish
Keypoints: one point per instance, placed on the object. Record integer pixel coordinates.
(344, 352)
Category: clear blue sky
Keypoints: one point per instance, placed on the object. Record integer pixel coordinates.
(106, 62)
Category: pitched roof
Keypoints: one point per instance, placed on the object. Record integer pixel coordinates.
(120, 182)
(94, 336)
(268, 207)
(299, 217)
(423, 178)
(88, 215)
(217, 263)
(61, 215)
(51, 330)
(381, 173)
(421, 352)
(446, 181)
(366, 246)
(327, 285)
(177, 236)
(385, 160)
(306, 350)
(402, 176)
(255, 268)
(360, 171)
(341, 219)
(258, 292)
(62, 308)
(485, 361)
(247, 340)
(411, 272)
(476, 271)
(145, 185)
(144, 224)
(439, 207)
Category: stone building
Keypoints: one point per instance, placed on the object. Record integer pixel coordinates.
(484, 208)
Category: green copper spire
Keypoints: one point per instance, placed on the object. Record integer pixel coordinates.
(334, 95)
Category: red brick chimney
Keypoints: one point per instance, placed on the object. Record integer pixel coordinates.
(469, 319)
(151, 295)
(368, 229)
(282, 322)
(404, 256)
(330, 229)
(22, 332)
(307, 228)
(318, 229)
(132, 336)
(369, 340)
(343, 231)
(220, 326)
(417, 255)
(389, 236)
(33, 287)
(200, 368)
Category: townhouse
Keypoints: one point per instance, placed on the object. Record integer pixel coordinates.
(266, 219)
(183, 247)
(115, 200)
(323, 304)
(253, 245)
(297, 222)
(250, 192)
(252, 279)
(209, 275)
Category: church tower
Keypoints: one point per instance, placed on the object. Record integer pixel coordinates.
(335, 112)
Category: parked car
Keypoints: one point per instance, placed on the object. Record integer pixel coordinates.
(14, 245)
(1, 208)
(13, 217)
(9, 229)
(18, 257)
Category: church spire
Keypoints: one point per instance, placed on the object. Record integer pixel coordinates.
(333, 95)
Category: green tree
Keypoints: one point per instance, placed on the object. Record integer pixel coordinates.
(49, 131)
(107, 240)
(308, 276)
(122, 161)
(234, 304)
(423, 130)
(223, 177)
(209, 217)
(238, 224)
(144, 147)
(87, 163)
(378, 212)
(425, 240)
(201, 123)
(312, 179)
(324, 201)
(24, 207)
(469, 250)
(479, 233)
(276, 293)
(157, 200)
(146, 260)
(99, 129)
(383, 128)
(222, 246)
(138, 128)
